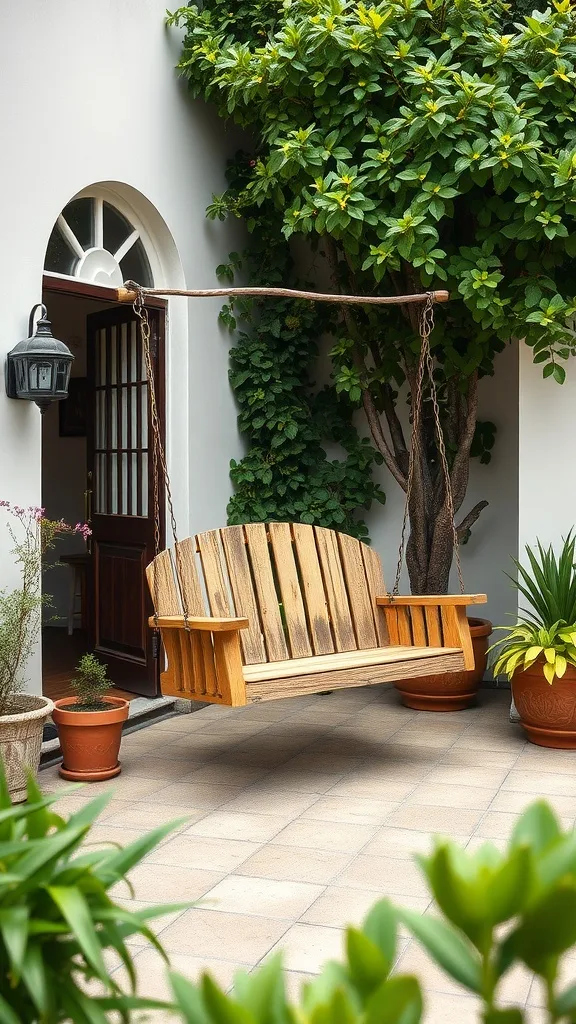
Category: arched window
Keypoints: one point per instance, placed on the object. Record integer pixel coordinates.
(92, 241)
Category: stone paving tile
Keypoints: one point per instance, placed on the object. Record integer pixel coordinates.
(306, 947)
(289, 862)
(210, 933)
(264, 897)
(302, 813)
(350, 809)
(322, 835)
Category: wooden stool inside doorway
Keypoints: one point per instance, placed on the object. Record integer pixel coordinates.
(78, 565)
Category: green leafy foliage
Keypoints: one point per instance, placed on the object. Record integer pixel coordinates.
(287, 421)
(547, 631)
(90, 683)
(57, 920)
(410, 144)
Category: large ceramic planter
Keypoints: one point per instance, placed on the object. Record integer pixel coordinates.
(547, 712)
(451, 691)
(21, 740)
(90, 740)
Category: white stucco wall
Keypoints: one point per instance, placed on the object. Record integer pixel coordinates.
(547, 481)
(89, 94)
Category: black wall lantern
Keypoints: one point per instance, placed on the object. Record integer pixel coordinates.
(38, 369)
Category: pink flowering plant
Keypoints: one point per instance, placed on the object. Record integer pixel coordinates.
(33, 535)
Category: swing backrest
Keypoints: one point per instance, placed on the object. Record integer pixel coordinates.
(305, 590)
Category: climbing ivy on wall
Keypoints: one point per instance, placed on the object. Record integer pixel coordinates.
(287, 419)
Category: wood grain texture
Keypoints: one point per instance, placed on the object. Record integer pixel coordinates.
(317, 611)
(432, 599)
(266, 596)
(162, 585)
(228, 664)
(391, 615)
(206, 622)
(208, 545)
(347, 660)
(450, 627)
(234, 545)
(376, 586)
(290, 591)
(358, 594)
(188, 578)
(404, 631)
(419, 636)
(208, 664)
(335, 587)
(465, 638)
(297, 686)
(433, 628)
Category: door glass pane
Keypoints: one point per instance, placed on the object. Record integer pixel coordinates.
(144, 409)
(144, 484)
(113, 510)
(101, 358)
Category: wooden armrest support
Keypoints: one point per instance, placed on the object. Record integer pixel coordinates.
(203, 622)
(439, 600)
(431, 620)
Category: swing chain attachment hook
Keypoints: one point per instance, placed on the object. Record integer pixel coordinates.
(159, 467)
(426, 368)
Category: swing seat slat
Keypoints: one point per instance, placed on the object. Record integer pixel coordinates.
(284, 609)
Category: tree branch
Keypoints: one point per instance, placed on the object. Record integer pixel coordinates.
(469, 520)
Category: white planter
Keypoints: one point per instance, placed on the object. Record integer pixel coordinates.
(21, 740)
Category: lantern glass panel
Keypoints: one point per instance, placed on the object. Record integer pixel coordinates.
(21, 375)
(62, 375)
(40, 376)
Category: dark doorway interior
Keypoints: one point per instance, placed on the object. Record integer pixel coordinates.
(95, 467)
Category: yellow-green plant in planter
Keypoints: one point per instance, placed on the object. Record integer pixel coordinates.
(541, 648)
(554, 649)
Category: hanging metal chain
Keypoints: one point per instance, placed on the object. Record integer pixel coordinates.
(426, 365)
(159, 465)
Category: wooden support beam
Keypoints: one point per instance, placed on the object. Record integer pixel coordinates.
(129, 293)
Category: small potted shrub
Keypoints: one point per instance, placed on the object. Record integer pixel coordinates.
(538, 654)
(22, 715)
(90, 724)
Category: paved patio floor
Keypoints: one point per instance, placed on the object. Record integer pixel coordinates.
(302, 813)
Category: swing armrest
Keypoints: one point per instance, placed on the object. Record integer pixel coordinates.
(204, 622)
(437, 600)
(431, 620)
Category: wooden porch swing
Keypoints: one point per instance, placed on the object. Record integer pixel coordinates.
(265, 611)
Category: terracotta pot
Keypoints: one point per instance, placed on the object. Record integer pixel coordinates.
(21, 740)
(450, 691)
(547, 712)
(90, 740)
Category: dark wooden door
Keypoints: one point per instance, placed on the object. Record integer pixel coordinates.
(120, 494)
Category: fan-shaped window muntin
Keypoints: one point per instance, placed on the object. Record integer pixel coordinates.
(94, 242)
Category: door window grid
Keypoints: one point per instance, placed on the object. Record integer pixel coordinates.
(121, 423)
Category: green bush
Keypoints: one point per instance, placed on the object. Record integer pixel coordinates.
(409, 144)
(57, 920)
